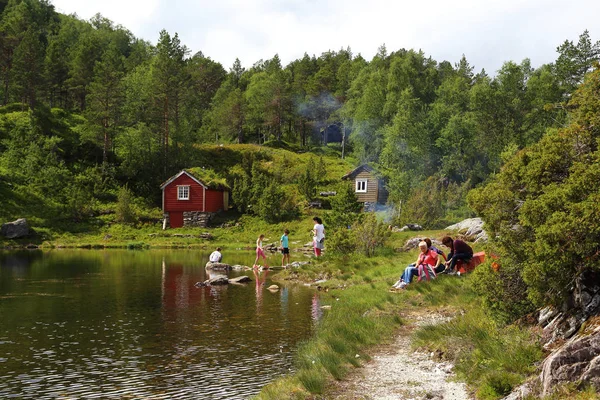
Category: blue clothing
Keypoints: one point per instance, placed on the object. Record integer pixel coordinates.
(285, 241)
(409, 272)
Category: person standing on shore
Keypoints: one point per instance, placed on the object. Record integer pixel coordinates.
(260, 252)
(285, 248)
(318, 236)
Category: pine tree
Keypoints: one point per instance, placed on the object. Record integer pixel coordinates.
(105, 98)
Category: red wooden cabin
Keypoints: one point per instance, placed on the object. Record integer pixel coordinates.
(188, 201)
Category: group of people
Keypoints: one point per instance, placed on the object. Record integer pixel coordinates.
(429, 262)
(318, 233)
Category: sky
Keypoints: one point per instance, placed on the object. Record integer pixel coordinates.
(487, 32)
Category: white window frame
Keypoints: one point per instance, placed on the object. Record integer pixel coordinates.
(362, 185)
(183, 192)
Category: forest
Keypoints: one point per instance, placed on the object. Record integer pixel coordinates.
(89, 113)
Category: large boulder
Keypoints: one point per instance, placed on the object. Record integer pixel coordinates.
(218, 280)
(16, 229)
(215, 266)
(472, 228)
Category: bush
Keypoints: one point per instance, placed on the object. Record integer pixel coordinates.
(542, 208)
(124, 210)
(370, 234)
(275, 205)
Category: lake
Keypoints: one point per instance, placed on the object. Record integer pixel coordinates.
(131, 324)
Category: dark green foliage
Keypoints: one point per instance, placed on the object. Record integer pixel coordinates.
(543, 206)
(307, 184)
(345, 207)
(274, 205)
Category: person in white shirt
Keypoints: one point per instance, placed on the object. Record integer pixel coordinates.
(318, 236)
(215, 256)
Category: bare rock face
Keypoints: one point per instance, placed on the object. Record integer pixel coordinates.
(16, 229)
(573, 332)
(577, 361)
(472, 228)
(561, 324)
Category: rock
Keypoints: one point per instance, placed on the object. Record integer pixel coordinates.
(200, 284)
(327, 194)
(414, 243)
(238, 267)
(15, 229)
(521, 392)
(240, 279)
(472, 228)
(298, 264)
(217, 266)
(217, 280)
(546, 314)
(273, 287)
(578, 360)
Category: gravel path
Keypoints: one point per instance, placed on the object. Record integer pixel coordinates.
(396, 372)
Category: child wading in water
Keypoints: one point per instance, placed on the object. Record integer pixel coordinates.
(260, 252)
(285, 248)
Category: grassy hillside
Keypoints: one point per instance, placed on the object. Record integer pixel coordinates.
(101, 225)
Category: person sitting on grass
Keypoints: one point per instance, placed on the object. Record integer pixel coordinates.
(440, 266)
(459, 250)
(423, 267)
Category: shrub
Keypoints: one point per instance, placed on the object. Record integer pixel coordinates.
(370, 234)
(542, 208)
(124, 211)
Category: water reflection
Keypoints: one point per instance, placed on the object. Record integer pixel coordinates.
(114, 324)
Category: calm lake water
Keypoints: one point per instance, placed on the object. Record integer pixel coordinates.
(131, 324)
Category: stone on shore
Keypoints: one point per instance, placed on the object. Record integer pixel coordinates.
(273, 288)
(15, 229)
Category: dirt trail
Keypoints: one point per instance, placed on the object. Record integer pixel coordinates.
(397, 372)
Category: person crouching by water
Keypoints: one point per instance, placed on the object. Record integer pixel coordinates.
(459, 250)
(260, 252)
(215, 256)
(285, 248)
(423, 267)
(318, 236)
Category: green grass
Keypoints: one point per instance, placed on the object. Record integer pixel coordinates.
(492, 359)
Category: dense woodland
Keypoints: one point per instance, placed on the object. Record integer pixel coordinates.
(87, 109)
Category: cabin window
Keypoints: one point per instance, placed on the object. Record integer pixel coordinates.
(361, 186)
(183, 192)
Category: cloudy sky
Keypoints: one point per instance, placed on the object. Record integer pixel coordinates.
(488, 32)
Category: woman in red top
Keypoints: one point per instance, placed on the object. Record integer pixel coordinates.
(426, 262)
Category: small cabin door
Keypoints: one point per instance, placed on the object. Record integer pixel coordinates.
(176, 219)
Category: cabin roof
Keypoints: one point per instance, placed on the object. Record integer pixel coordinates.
(352, 174)
(205, 178)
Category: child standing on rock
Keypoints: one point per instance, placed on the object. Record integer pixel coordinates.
(285, 248)
(260, 251)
